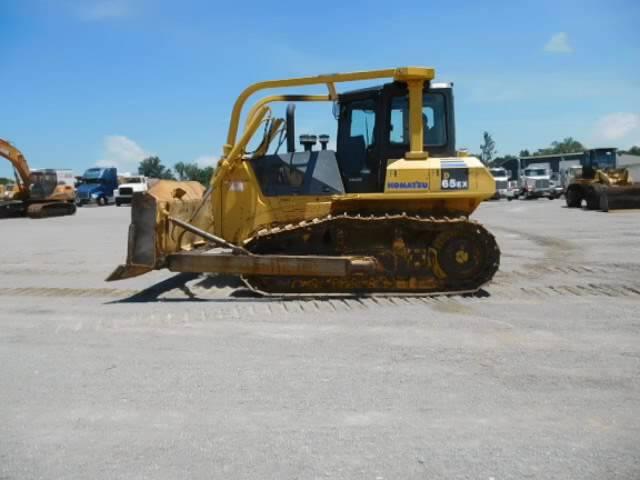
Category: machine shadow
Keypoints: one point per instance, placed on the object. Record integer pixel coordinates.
(154, 292)
(232, 289)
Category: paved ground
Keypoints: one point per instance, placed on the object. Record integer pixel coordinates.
(537, 378)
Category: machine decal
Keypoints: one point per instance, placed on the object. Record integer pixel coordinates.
(407, 186)
(455, 179)
(453, 163)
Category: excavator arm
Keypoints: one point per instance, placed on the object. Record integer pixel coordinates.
(19, 162)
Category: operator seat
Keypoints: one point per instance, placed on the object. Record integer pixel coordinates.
(352, 159)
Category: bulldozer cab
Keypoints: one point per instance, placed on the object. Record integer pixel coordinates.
(372, 129)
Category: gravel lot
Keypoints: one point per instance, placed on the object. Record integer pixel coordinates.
(167, 376)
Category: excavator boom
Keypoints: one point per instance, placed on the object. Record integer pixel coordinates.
(19, 162)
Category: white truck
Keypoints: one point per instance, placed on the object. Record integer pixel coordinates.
(501, 176)
(535, 182)
(128, 186)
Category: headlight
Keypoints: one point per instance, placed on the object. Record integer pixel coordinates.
(94, 195)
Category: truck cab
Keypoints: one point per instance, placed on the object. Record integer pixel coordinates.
(569, 176)
(501, 176)
(96, 186)
(535, 182)
(129, 185)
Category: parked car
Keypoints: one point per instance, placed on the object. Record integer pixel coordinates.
(513, 189)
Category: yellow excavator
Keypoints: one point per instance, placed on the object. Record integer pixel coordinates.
(7, 191)
(386, 211)
(37, 194)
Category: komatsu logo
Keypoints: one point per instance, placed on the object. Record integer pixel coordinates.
(407, 186)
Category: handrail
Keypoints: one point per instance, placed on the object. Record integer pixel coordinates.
(236, 152)
(400, 74)
(285, 98)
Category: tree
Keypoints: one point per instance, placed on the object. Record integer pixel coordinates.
(488, 148)
(525, 153)
(5, 181)
(568, 145)
(152, 167)
(191, 171)
(635, 150)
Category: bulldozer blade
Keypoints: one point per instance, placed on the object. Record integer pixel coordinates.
(278, 265)
(125, 271)
(620, 197)
(152, 236)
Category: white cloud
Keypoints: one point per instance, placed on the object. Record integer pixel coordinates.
(104, 10)
(123, 153)
(558, 43)
(619, 127)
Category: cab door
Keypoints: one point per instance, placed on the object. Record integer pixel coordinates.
(358, 149)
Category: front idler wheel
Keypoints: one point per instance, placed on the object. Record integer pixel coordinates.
(460, 255)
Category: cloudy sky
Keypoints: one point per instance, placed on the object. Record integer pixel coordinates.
(108, 82)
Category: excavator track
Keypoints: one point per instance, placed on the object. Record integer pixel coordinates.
(50, 209)
(414, 255)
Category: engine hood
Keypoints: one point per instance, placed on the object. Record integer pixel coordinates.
(88, 188)
(138, 187)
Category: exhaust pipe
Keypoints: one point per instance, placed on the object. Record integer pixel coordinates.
(291, 128)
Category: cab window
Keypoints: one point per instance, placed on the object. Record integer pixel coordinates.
(363, 120)
(433, 117)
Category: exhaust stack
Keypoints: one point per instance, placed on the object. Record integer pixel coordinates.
(308, 141)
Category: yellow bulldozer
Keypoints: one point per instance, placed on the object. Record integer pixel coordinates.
(386, 211)
(36, 193)
(601, 184)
